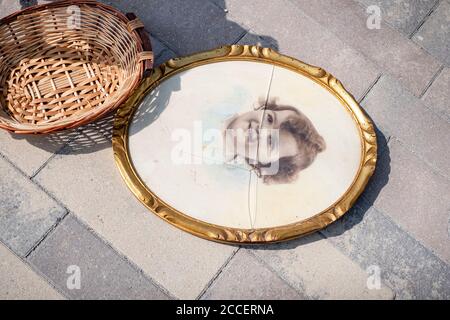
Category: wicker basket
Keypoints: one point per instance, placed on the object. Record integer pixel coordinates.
(60, 69)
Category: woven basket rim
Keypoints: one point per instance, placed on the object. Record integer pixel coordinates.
(63, 3)
(101, 111)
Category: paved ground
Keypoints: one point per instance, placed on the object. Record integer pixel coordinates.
(64, 210)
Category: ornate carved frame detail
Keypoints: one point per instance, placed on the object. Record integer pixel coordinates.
(233, 235)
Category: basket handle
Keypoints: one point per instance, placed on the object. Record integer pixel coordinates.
(146, 55)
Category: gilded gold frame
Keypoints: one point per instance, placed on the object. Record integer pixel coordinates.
(234, 235)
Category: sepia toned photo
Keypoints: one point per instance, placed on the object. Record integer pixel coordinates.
(290, 143)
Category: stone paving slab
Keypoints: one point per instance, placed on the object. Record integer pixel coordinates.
(8, 7)
(94, 191)
(20, 282)
(434, 35)
(404, 116)
(161, 52)
(371, 239)
(316, 268)
(27, 213)
(192, 19)
(302, 37)
(404, 15)
(420, 211)
(437, 96)
(103, 274)
(246, 278)
(253, 39)
(393, 52)
(30, 152)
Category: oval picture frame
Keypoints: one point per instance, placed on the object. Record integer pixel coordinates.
(228, 234)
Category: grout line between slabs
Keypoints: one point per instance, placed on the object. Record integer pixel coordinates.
(161, 53)
(402, 231)
(54, 154)
(390, 138)
(36, 271)
(47, 234)
(218, 273)
(424, 19)
(224, 9)
(34, 182)
(436, 75)
(387, 217)
(384, 281)
(123, 257)
(241, 36)
(373, 84)
(67, 213)
(363, 54)
(109, 245)
(165, 48)
(279, 275)
(418, 156)
(44, 164)
(440, 115)
(166, 44)
(433, 79)
(388, 23)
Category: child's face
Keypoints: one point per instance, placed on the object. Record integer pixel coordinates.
(259, 137)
